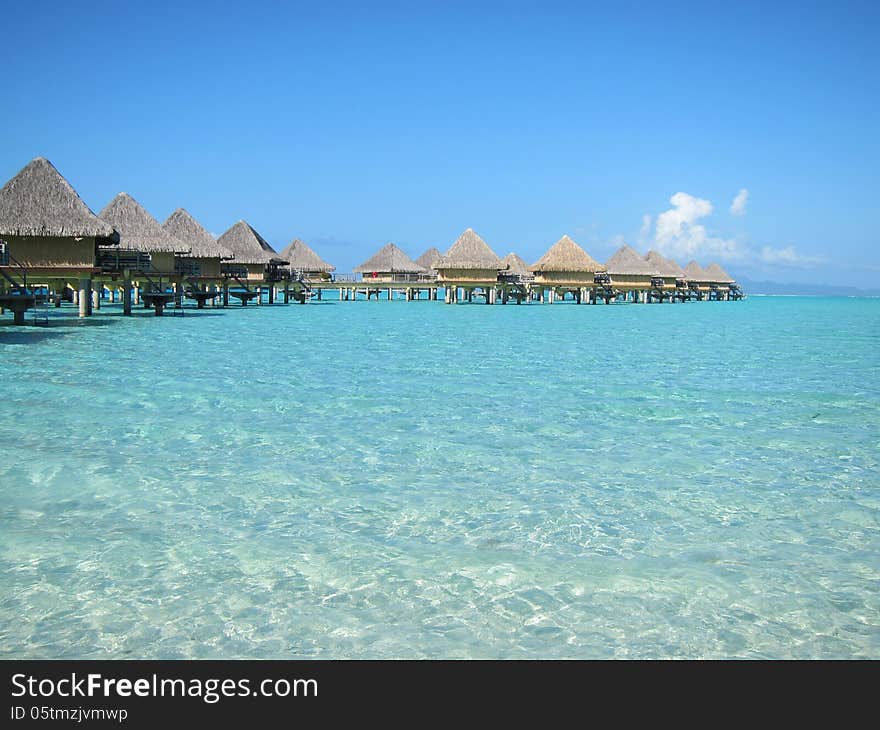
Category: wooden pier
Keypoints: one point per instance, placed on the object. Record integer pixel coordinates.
(53, 248)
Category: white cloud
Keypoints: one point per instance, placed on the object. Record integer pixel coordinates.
(679, 233)
(738, 206)
(678, 226)
(787, 256)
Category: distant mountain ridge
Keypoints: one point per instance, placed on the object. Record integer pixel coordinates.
(815, 290)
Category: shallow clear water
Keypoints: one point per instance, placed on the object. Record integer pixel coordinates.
(421, 480)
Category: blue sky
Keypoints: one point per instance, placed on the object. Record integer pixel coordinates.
(351, 125)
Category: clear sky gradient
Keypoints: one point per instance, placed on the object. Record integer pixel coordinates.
(351, 125)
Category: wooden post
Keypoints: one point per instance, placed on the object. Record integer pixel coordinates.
(225, 293)
(84, 297)
(126, 293)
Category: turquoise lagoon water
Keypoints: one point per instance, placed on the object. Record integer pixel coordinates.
(421, 480)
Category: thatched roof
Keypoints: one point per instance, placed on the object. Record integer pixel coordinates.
(717, 274)
(300, 256)
(515, 265)
(694, 272)
(38, 201)
(664, 266)
(188, 231)
(389, 258)
(566, 255)
(429, 259)
(469, 252)
(627, 261)
(248, 246)
(138, 230)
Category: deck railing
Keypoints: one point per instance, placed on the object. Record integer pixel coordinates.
(117, 260)
(399, 277)
(186, 267)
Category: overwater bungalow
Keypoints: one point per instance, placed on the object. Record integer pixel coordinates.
(50, 238)
(627, 274)
(144, 257)
(670, 282)
(146, 251)
(722, 284)
(252, 253)
(255, 262)
(428, 261)
(516, 278)
(206, 255)
(698, 281)
(516, 269)
(389, 264)
(469, 267)
(304, 263)
(565, 268)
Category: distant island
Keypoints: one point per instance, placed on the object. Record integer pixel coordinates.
(815, 290)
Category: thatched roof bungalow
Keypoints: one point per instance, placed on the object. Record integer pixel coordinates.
(516, 269)
(144, 245)
(628, 271)
(665, 268)
(428, 261)
(253, 253)
(567, 265)
(305, 262)
(47, 226)
(469, 261)
(720, 282)
(205, 253)
(718, 275)
(390, 263)
(694, 272)
(727, 286)
(697, 278)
